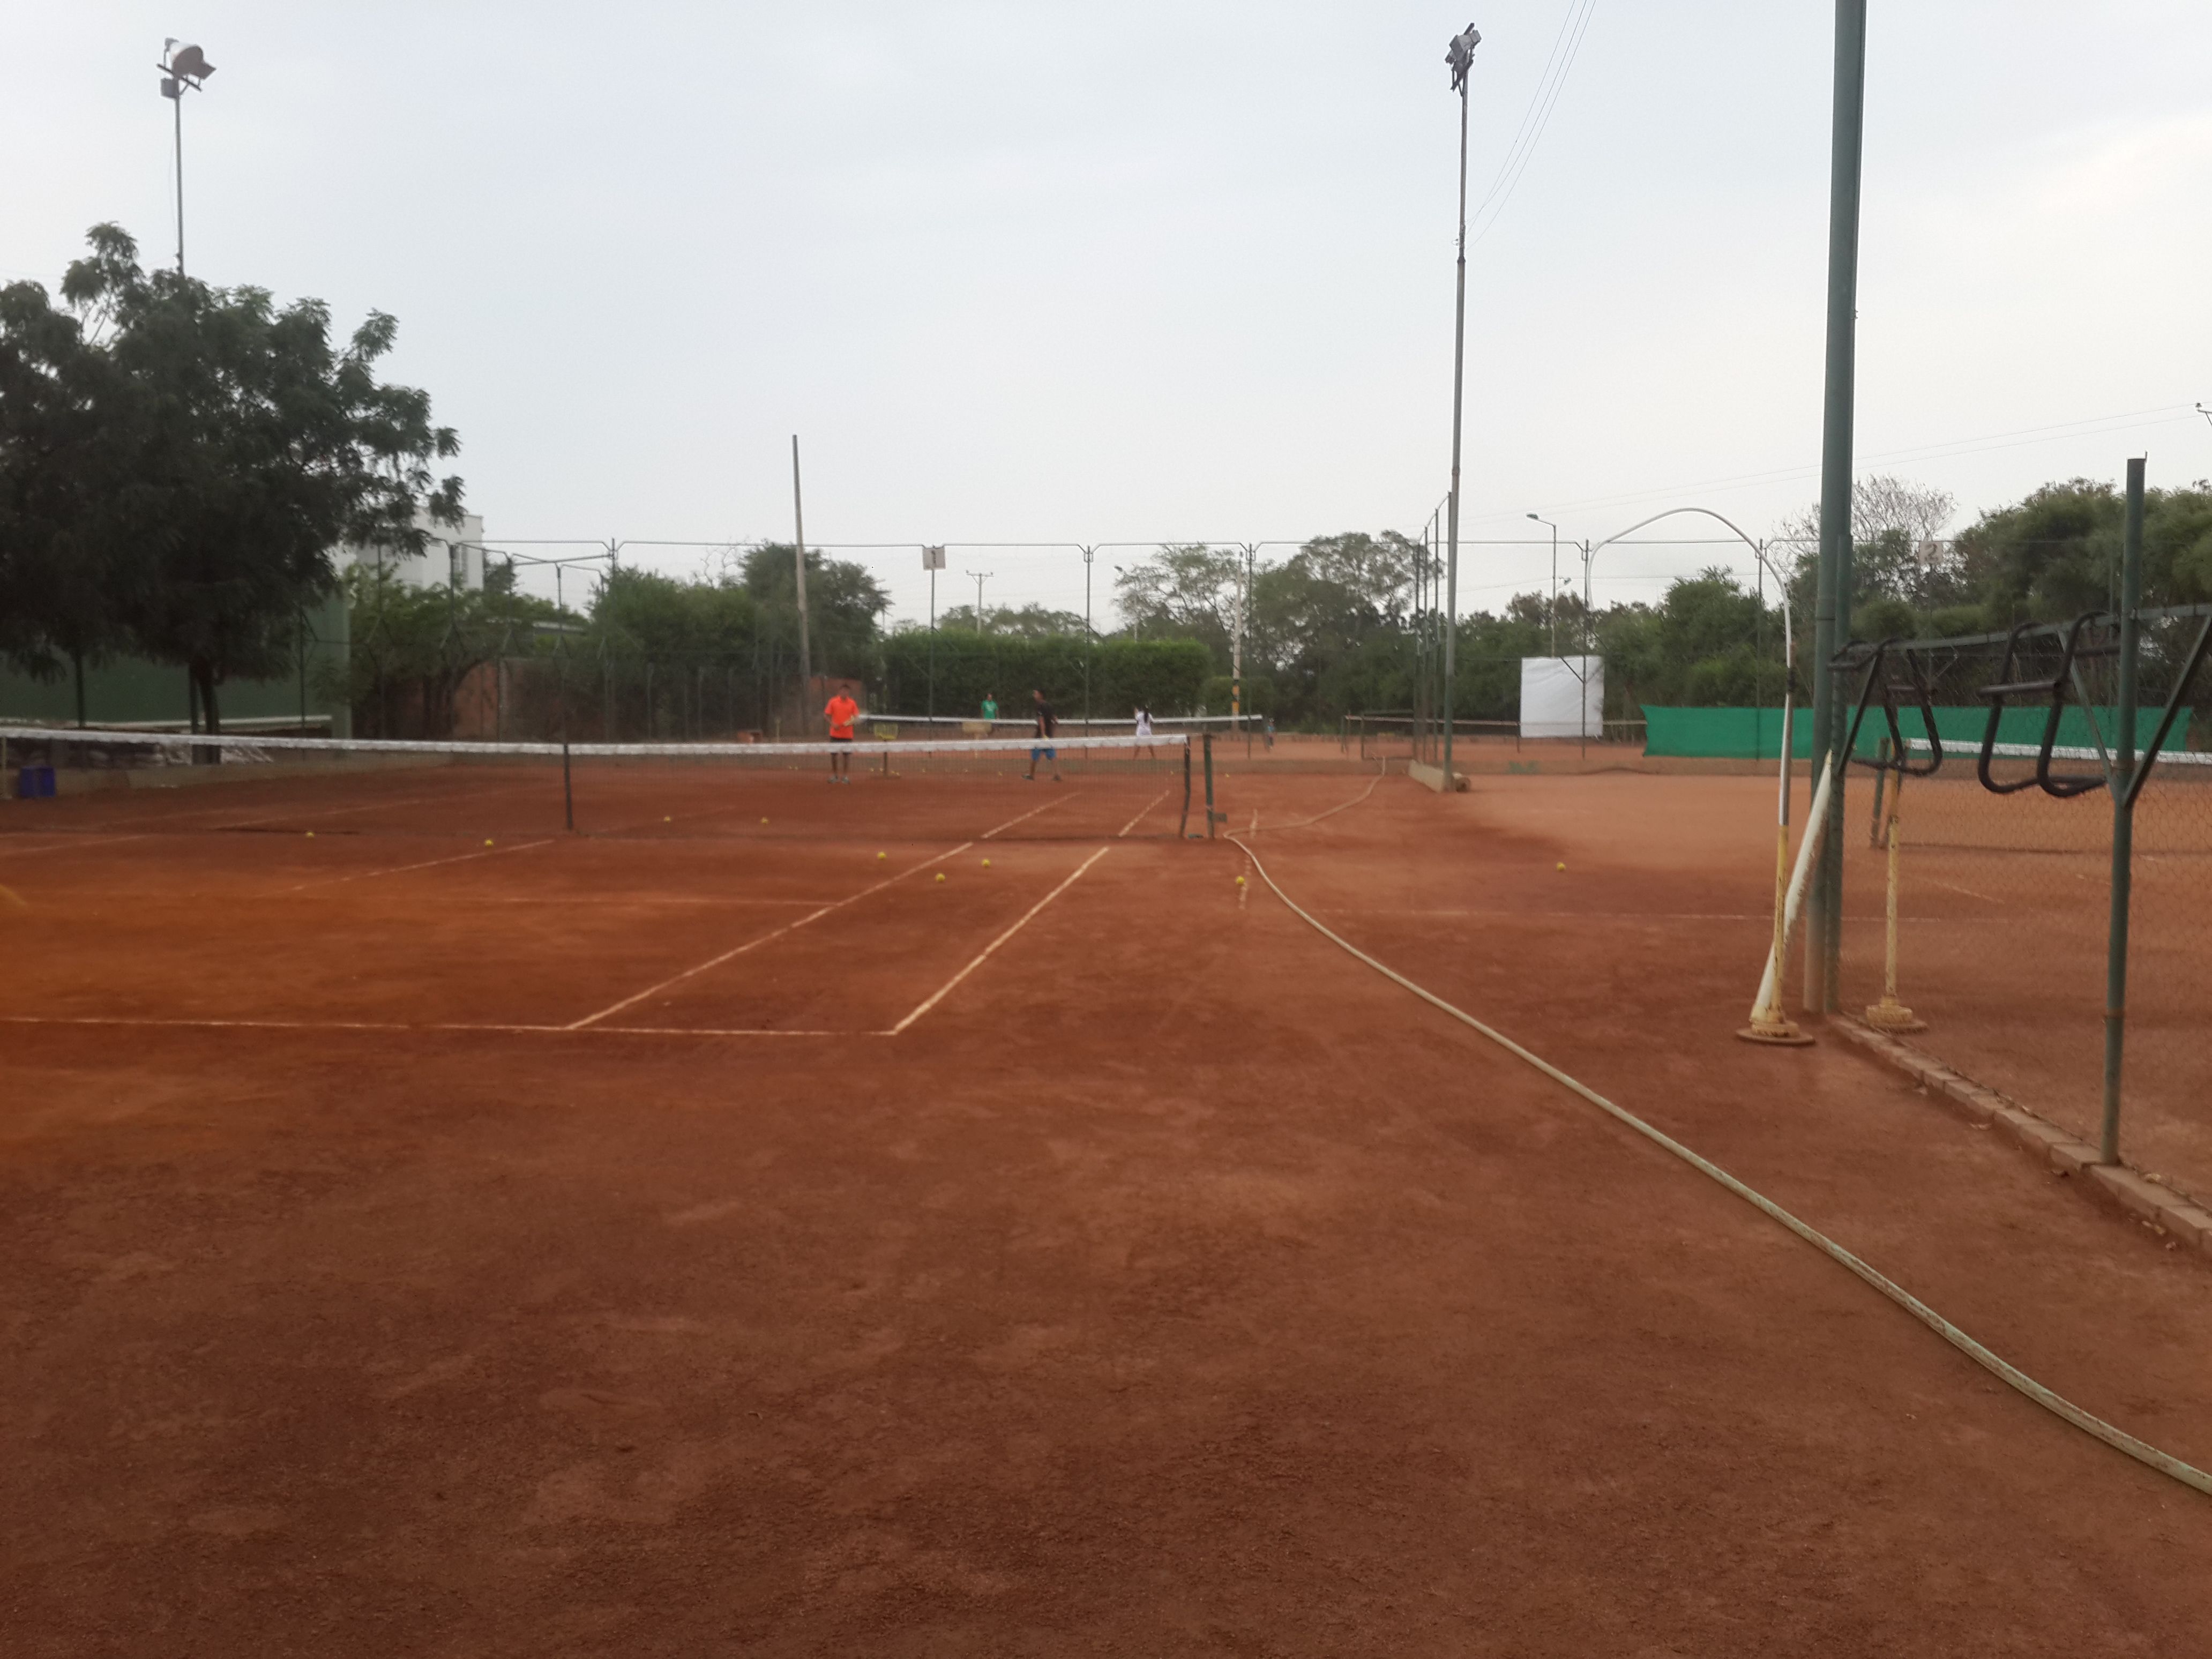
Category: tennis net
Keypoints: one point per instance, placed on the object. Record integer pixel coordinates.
(904, 787)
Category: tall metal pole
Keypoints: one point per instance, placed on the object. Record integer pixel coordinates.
(1832, 612)
(1460, 56)
(2121, 788)
(1089, 638)
(798, 561)
(932, 710)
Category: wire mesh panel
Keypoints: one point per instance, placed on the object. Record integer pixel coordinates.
(2007, 874)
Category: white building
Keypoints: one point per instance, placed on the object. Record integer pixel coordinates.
(453, 555)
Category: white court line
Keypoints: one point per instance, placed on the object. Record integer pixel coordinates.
(1145, 808)
(944, 990)
(754, 944)
(426, 864)
(1032, 813)
(71, 846)
(137, 1022)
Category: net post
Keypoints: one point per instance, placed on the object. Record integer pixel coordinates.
(2123, 821)
(1182, 823)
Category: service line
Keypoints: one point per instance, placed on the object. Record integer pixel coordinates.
(983, 956)
(425, 864)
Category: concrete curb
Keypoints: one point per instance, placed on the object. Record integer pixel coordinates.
(2159, 1208)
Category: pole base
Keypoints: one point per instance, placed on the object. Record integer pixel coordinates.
(1893, 1016)
(1775, 1030)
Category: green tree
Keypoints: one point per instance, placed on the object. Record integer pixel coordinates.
(844, 606)
(253, 447)
(62, 482)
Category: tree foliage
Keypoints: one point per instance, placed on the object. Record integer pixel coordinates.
(179, 462)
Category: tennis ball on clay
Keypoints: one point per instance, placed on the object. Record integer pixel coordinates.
(667, 820)
(763, 820)
(1240, 881)
(310, 834)
(940, 875)
(1561, 866)
(487, 841)
(986, 864)
(881, 856)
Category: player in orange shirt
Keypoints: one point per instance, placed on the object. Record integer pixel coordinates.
(841, 711)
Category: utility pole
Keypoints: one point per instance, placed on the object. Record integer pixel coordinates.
(932, 561)
(1089, 639)
(1832, 615)
(1555, 581)
(981, 577)
(1459, 55)
(798, 561)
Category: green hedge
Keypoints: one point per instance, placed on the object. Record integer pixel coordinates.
(1166, 676)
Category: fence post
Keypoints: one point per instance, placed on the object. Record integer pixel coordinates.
(2124, 817)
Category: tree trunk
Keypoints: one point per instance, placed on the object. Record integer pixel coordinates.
(211, 716)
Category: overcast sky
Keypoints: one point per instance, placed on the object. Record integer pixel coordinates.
(1044, 273)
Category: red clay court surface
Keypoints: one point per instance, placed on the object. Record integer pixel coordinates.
(417, 1246)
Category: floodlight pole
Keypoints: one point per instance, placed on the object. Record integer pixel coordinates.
(1087, 639)
(1460, 56)
(182, 71)
(798, 565)
(1832, 615)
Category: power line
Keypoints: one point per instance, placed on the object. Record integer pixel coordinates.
(1572, 28)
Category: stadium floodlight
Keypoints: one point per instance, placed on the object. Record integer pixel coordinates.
(1555, 581)
(1460, 56)
(182, 66)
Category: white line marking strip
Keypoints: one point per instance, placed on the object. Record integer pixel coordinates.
(983, 956)
(754, 944)
(1032, 813)
(399, 1025)
(427, 864)
(1141, 811)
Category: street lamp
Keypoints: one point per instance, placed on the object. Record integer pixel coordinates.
(1555, 581)
(1459, 55)
(182, 66)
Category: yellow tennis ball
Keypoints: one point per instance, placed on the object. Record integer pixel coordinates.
(1240, 881)
(763, 820)
(487, 841)
(880, 856)
(940, 875)
(668, 820)
(986, 864)
(1562, 867)
(310, 834)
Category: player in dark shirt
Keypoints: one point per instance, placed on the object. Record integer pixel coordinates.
(1048, 724)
